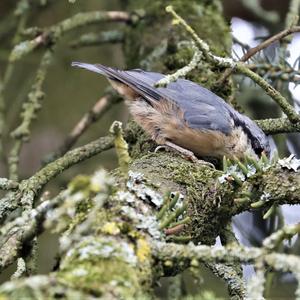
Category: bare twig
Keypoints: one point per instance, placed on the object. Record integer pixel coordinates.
(269, 41)
(252, 51)
(92, 116)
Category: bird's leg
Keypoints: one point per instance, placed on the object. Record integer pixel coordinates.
(184, 152)
(187, 154)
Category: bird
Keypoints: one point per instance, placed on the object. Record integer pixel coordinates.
(185, 116)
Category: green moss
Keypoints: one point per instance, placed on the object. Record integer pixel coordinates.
(101, 266)
(207, 216)
(103, 276)
(138, 140)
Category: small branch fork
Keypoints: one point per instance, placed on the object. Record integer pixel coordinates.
(242, 68)
(29, 188)
(50, 35)
(252, 51)
(260, 257)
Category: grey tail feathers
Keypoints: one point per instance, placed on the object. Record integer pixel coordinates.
(142, 88)
(89, 67)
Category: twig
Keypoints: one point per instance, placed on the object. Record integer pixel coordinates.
(121, 147)
(95, 39)
(263, 45)
(292, 16)
(256, 284)
(190, 253)
(231, 273)
(53, 33)
(243, 45)
(278, 125)
(238, 66)
(21, 12)
(181, 72)
(269, 41)
(287, 232)
(265, 15)
(21, 269)
(29, 188)
(282, 72)
(234, 280)
(92, 116)
(21, 230)
(287, 108)
(6, 184)
(30, 108)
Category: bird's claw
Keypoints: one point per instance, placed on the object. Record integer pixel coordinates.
(186, 154)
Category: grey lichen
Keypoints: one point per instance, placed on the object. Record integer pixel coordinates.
(291, 163)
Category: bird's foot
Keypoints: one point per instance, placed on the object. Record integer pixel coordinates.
(186, 154)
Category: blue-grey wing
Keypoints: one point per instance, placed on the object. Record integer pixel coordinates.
(202, 108)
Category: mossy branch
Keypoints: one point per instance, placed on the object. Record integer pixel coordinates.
(121, 146)
(30, 108)
(187, 254)
(21, 14)
(28, 189)
(6, 184)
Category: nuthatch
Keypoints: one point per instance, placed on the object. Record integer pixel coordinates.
(184, 115)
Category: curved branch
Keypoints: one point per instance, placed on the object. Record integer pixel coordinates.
(50, 35)
(29, 188)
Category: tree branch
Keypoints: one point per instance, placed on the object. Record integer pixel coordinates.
(52, 34)
(239, 67)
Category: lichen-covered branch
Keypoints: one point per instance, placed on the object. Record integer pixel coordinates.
(15, 234)
(29, 113)
(274, 240)
(51, 35)
(20, 18)
(6, 184)
(28, 189)
(95, 39)
(278, 125)
(239, 67)
(114, 232)
(187, 254)
(181, 72)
